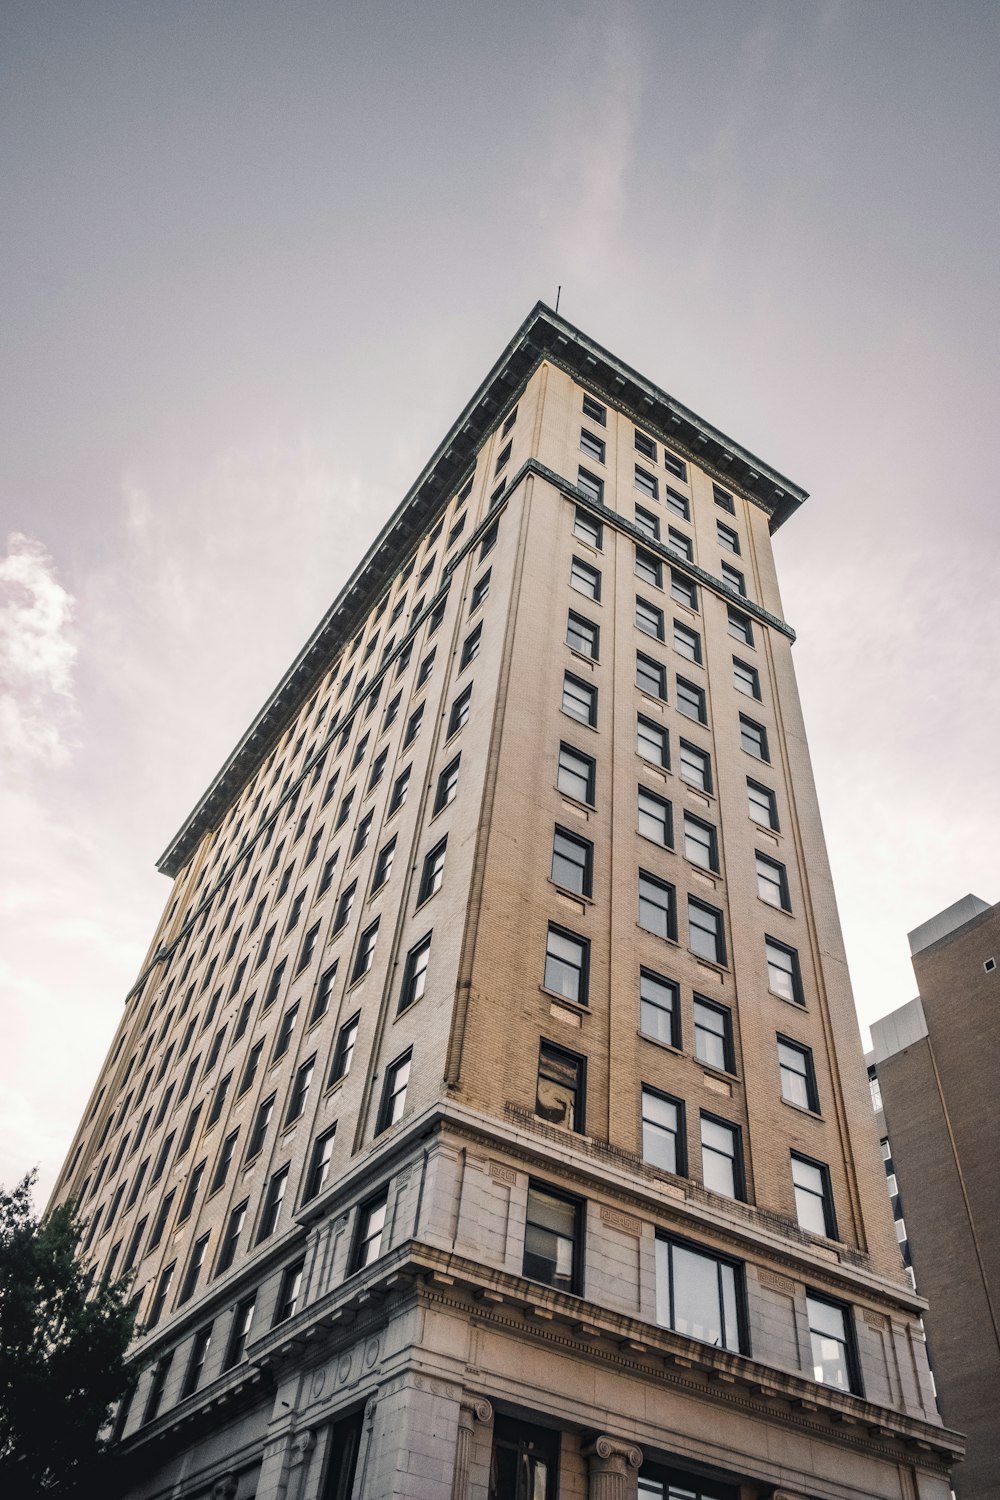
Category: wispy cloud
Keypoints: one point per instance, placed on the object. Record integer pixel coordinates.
(37, 655)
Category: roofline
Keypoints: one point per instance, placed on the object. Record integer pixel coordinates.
(542, 335)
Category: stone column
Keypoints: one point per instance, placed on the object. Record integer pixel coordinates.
(613, 1469)
(472, 1410)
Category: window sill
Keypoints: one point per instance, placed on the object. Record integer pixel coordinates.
(723, 1073)
(664, 1046)
(585, 807)
(671, 941)
(710, 963)
(714, 877)
(574, 1007)
(580, 656)
(582, 722)
(799, 1005)
(801, 1109)
(783, 911)
(564, 890)
(659, 703)
(653, 768)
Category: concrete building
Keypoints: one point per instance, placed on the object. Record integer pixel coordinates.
(936, 1062)
(489, 1120)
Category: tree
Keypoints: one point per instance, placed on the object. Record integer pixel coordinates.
(62, 1353)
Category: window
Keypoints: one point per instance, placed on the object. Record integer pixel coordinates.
(285, 1031)
(344, 811)
(272, 1203)
(577, 774)
(734, 579)
(728, 538)
(559, 1092)
(648, 568)
(713, 1035)
(584, 579)
(724, 499)
(321, 1004)
(659, 1008)
(447, 785)
(365, 953)
(645, 446)
(700, 843)
(383, 865)
(224, 1162)
(647, 523)
(161, 1295)
(652, 742)
(746, 679)
(261, 1121)
(813, 1196)
(798, 1076)
(240, 1333)
(393, 1093)
(590, 485)
(772, 882)
(676, 465)
(459, 715)
(657, 910)
(583, 635)
(572, 862)
(679, 544)
(371, 1227)
(650, 676)
(250, 1067)
(311, 854)
(647, 483)
(509, 422)
(699, 1294)
(655, 819)
(592, 445)
(193, 1271)
(588, 528)
(399, 789)
(196, 1362)
(687, 642)
(288, 1295)
(579, 700)
(413, 726)
(162, 1220)
(319, 1164)
(753, 738)
(234, 1228)
(391, 712)
(649, 619)
(162, 1158)
(502, 458)
(683, 590)
(567, 964)
(721, 1157)
(706, 932)
(415, 974)
(552, 1239)
(459, 527)
(300, 1090)
(377, 770)
(265, 946)
(344, 1050)
(189, 1130)
(295, 911)
(762, 804)
(160, 1372)
(834, 1356)
(359, 751)
(308, 948)
(676, 503)
(783, 975)
(740, 627)
(691, 701)
(219, 1100)
(470, 648)
(480, 591)
(595, 411)
(343, 913)
(662, 1131)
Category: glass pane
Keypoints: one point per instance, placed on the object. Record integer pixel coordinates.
(697, 1309)
(830, 1362)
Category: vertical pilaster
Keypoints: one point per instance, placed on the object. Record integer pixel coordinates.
(472, 1410)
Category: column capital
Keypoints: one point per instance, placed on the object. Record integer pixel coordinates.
(476, 1409)
(613, 1454)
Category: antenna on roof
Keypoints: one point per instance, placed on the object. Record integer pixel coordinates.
(558, 295)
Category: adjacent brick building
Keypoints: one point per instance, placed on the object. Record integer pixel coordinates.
(937, 1060)
(489, 1119)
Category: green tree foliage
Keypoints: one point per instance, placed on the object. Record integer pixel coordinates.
(62, 1348)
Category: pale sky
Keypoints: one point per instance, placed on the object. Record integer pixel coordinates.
(254, 259)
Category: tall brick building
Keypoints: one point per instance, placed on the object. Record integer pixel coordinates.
(937, 1060)
(489, 1119)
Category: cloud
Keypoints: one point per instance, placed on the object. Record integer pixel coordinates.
(37, 656)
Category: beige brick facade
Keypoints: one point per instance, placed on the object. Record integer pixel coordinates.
(374, 865)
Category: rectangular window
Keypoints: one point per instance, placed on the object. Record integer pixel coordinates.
(657, 906)
(577, 774)
(196, 1362)
(509, 421)
(647, 523)
(272, 1203)
(470, 648)
(590, 485)
(649, 619)
(480, 591)
(415, 974)
(723, 498)
(798, 1076)
(486, 546)
(359, 751)
(572, 862)
(588, 528)
(579, 700)
(392, 711)
(459, 715)
(344, 811)
(647, 483)
(560, 1088)
(691, 701)
(502, 458)
(162, 1220)
(713, 1035)
(648, 568)
(319, 1164)
(663, 1131)
(739, 626)
(161, 1295)
(746, 679)
(344, 1050)
(701, 845)
(585, 579)
(399, 789)
(721, 1157)
(343, 913)
(728, 538)
(652, 742)
(706, 932)
(699, 1295)
(783, 975)
(160, 1372)
(655, 818)
(753, 738)
(762, 804)
(224, 1162)
(289, 1293)
(377, 770)
(222, 1089)
(397, 1076)
(592, 445)
(447, 785)
(251, 1066)
(831, 1336)
(383, 865)
(300, 1090)
(679, 544)
(595, 411)
(553, 1239)
(413, 726)
(240, 1333)
(772, 882)
(369, 1232)
(567, 965)
(659, 1008)
(676, 504)
(583, 635)
(193, 1271)
(687, 642)
(813, 1196)
(676, 465)
(734, 578)
(456, 530)
(308, 948)
(365, 953)
(261, 1121)
(650, 676)
(645, 446)
(683, 590)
